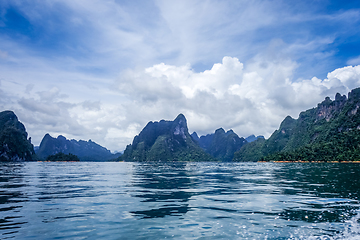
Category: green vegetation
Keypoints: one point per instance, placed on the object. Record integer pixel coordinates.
(14, 145)
(85, 150)
(165, 141)
(341, 147)
(62, 157)
(250, 152)
(325, 133)
(221, 145)
(329, 132)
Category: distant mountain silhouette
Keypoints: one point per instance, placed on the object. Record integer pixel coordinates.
(221, 145)
(85, 150)
(252, 138)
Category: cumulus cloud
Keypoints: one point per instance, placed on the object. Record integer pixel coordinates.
(250, 99)
(349, 76)
(58, 72)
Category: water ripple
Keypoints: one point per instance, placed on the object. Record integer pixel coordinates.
(179, 201)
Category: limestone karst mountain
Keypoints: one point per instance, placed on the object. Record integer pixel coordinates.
(85, 150)
(14, 144)
(165, 141)
(221, 145)
(327, 132)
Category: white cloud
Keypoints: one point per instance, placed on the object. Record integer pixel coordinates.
(60, 78)
(190, 83)
(248, 98)
(251, 99)
(354, 61)
(349, 76)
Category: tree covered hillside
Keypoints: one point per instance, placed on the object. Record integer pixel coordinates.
(165, 141)
(85, 150)
(332, 125)
(14, 145)
(221, 145)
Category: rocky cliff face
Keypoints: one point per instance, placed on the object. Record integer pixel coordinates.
(221, 145)
(85, 150)
(329, 109)
(165, 141)
(313, 126)
(14, 145)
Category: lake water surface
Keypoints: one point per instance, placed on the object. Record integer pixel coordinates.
(88, 200)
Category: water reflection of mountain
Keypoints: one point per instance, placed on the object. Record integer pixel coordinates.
(167, 184)
(11, 197)
(167, 188)
(321, 179)
(327, 192)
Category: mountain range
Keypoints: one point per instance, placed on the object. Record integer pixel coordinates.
(165, 141)
(220, 145)
(85, 150)
(328, 132)
(253, 138)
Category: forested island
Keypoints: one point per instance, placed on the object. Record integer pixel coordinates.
(326, 133)
(62, 157)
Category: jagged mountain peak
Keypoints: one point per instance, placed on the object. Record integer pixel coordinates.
(354, 94)
(8, 115)
(335, 119)
(221, 144)
(230, 132)
(180, 119)
(165, 141)
(220, 131)
(61, 137)
(180, 126)
(253, 138)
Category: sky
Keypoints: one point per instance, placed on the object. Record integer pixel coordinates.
(102, 69)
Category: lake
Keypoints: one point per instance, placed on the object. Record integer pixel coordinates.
(117, 200)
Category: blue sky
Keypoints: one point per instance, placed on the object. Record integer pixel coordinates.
(101, 70)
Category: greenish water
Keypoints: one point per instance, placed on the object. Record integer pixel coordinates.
(179, 201)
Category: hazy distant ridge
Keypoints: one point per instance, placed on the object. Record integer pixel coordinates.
(221, 145)
(85, 150)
